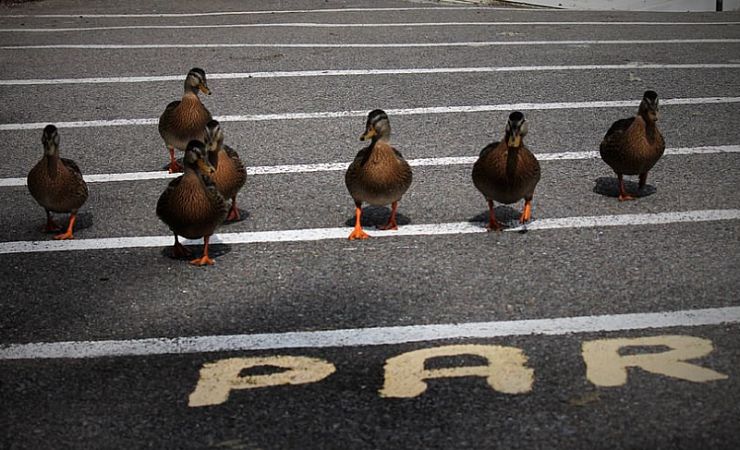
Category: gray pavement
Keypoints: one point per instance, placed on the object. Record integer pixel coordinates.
(132, 293)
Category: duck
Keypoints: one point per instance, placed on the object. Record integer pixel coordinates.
(507, 171)
(230, 174)
(632, 146)
(191, 206)
(56, 184)
(185, 120)
(379, 175)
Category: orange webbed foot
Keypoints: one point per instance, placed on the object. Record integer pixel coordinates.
(203, 261)
(175, 167)
(357, 233)
(494, 226)
(526, 215)
(625, 197)
(64, 236)
(391, 225)
(233, 214)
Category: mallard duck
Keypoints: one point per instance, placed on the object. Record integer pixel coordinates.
(185, 120)
(56, 184)
(230, 173)
(191, 205)
(633, 146)
(507, 171)
(379, 175)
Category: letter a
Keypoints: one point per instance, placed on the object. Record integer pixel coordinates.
(505, 372)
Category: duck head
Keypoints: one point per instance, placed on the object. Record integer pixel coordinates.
(50, 139)
(516, 129)
(196, 81)
(378, 127)
(195, 158)
(214, 136)
(649, 106)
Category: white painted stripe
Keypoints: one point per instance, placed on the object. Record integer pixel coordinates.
(331, 167)
(369, 45)
(249, 13)
(319, 234)
(371, 336)
(295, 11)
(356, 25)
(364, 72)
(397, 112)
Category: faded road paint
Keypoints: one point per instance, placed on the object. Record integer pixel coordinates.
(606, 367)
(218, 379)
(505, 372)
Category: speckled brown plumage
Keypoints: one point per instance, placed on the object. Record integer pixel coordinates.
(56, 183)
(185, 120)
(379, 175)
(230, 174)
(632, 146)
(507, 173)
(191, 206)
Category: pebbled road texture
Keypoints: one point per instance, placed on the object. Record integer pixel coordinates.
(140, 293)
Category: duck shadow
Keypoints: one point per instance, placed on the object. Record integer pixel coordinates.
(505, 215)
(609, 187)
(243, 215)
(374, 216)
(84, 221)
(214, 251)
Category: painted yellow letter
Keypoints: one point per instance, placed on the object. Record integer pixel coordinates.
(219, 378)
(505, 371)
(606, 367)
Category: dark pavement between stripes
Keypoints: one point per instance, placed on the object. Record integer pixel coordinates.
(553, 385)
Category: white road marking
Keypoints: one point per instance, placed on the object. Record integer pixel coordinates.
(248, 13)
(356, 25)
(370, 45)
(370, 336)
(397, 112)
(319, 234)
(364, 72)
(292, 11)
(271, 12)
(330, 167)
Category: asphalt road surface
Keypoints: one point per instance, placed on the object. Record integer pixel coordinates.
(599, 325)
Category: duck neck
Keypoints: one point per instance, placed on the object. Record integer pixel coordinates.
(190, 96)
(650, 126)
(52, 160)
(214, 148)
(512, 156)
(190, 89)
(213, 157)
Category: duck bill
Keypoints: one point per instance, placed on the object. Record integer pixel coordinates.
(204, 89)
(369, 134)
(205, 167)
(515, 141)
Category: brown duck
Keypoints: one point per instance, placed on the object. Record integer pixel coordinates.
(56, 184)
(185, 120)
(230, 173)
(633, 146)
(191, 205)
(379, 175)
(507, 171)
